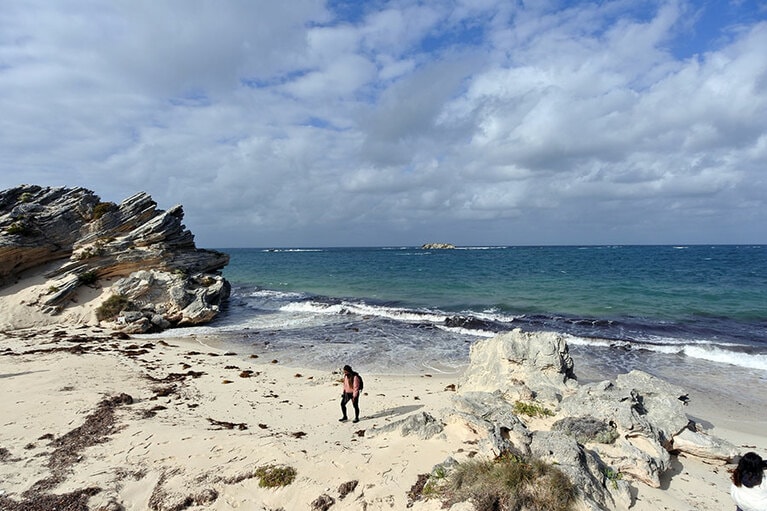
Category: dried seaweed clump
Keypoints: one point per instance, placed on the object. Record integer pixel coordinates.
(68, 451)
(272, 476)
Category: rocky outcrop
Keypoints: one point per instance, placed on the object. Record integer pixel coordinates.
(437, 246)
(79, 240)
(523, 366)
(604, 436)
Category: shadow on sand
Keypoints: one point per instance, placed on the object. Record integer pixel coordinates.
(393, 412)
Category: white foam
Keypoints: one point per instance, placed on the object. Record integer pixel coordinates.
(703, 350)
(292, 250)
(727, 357)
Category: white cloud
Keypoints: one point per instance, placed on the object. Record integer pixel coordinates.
(280, 122)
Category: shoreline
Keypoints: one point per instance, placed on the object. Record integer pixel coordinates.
(173, 441)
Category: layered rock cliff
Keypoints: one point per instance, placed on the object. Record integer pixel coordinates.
(74, 240)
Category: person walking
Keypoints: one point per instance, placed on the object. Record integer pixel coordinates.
(351, 392)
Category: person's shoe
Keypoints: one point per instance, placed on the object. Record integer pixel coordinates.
(356, 421)
(343, 419)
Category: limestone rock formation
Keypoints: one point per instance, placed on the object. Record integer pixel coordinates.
(77, 240)
(523, 365)
(602, 435)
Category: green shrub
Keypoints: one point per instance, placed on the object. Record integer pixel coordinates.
(25, 197)
(531, 409)
(111, 307)
(613, 476)
(95, 250)
(87, 278)
(510, 482)
(102, 208)
(436, 482)
(18, 228)
(272, 476)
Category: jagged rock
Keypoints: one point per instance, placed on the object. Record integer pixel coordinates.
(39, 225)
(640, 451)
(584, 468)
(521, 365)
(647, 414)
(586, 430)
(87, 240)
(493, 418)
(422, 425)
(183, 300)
(704, 446)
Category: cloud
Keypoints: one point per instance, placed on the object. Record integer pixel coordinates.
(310, 123)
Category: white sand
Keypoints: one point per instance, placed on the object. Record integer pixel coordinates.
(291, 416)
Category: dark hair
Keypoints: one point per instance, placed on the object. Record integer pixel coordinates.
(750, 470)
(348, 369)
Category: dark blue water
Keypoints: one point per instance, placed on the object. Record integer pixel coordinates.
(402, 308)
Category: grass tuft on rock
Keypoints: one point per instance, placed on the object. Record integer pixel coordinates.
(111, 307)
(531, 409)
(510, 483)
(103, 208)
(87, 278)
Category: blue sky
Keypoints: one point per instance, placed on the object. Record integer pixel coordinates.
(476, 122)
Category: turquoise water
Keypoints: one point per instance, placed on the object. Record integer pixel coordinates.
(617, 303)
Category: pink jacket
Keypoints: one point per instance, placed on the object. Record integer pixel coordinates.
(352, 387)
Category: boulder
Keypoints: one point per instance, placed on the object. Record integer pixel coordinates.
(422, 425)
(701, 445)
(522, 365)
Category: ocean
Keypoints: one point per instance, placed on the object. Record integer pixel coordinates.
(680, 312)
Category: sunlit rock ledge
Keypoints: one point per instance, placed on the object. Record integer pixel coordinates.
(70, 240)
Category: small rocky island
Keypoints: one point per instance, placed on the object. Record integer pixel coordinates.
(437, 246)
(73, 240)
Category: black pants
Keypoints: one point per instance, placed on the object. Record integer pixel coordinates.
(345, 398)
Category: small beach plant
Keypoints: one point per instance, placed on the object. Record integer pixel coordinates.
(509, 482)
(87, 278)
(111, 307)
(272, 476)
(436, 482)
(531, 409)
(18, 228)
(102, 208)
(613, 476)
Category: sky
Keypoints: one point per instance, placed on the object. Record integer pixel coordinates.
(307, 123)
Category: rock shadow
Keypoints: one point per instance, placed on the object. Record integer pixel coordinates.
(13, 375)
(393, 412)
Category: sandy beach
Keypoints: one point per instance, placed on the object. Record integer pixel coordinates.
(108, 422)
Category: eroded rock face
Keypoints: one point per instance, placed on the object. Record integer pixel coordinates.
(523, 365)
(80, 240)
